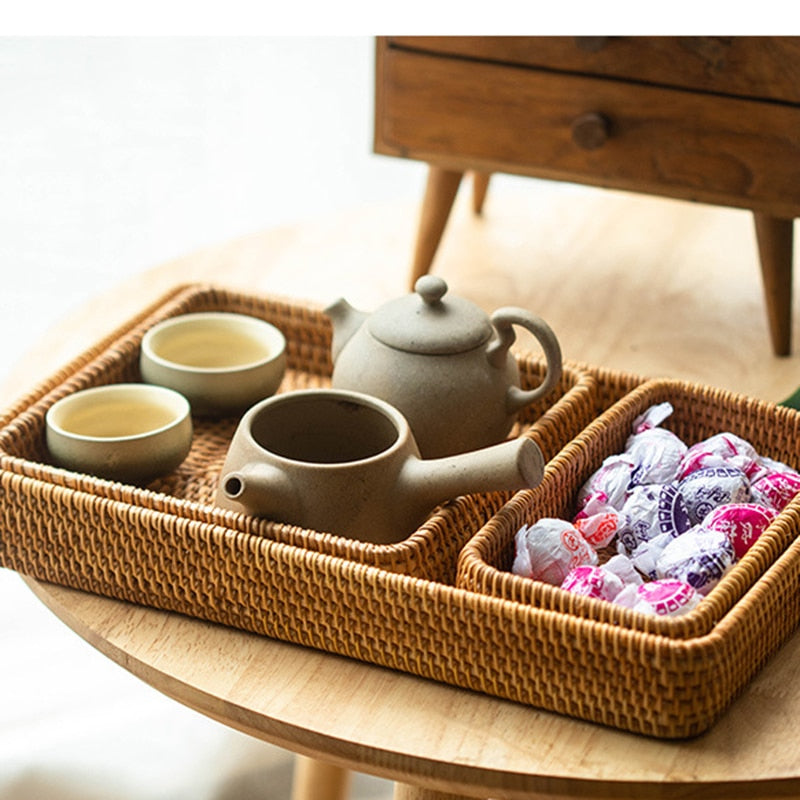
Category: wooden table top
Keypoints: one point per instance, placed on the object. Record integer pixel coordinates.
(390, 724)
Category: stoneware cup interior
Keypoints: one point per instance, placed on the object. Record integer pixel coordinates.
(129, 432)
(221, 362)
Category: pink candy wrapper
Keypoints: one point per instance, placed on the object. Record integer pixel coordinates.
(776, 489)
(742, 523)
(705, 489)
(593, 581)
(699, 557)
(665, 598)
(721, 449)
(549, 549)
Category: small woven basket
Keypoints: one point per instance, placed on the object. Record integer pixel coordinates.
(699, 412)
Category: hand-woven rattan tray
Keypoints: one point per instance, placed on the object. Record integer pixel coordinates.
(167, 546)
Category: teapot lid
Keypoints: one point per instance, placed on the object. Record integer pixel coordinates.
(428, 323)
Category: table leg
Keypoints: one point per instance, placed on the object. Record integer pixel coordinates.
(318, 780)
(403, 791)
(775, 241)
(480, 185)
(440, 192)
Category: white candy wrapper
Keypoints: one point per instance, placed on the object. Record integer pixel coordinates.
(609, 483)
(658, 454)
(699, 557)
(645, 556)
(549, 549)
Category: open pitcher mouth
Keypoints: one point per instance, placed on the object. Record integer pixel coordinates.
(325, 427)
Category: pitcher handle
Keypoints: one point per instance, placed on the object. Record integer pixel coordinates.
(504, 320)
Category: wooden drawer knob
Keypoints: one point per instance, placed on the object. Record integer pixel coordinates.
(591, 130)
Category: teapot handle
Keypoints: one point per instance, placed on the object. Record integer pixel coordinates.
(503, 320)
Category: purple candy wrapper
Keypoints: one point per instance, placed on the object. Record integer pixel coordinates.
(650, 511)
(699, 557)
(705, 489)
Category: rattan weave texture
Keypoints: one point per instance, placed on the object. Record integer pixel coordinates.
(165, 546)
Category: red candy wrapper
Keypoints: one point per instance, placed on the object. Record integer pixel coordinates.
(742, 523)
(549, 549)
(664, 598)
(598, 523)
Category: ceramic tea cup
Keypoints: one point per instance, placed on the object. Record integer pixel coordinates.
(221, 362)
(130, 432)
(346, 463)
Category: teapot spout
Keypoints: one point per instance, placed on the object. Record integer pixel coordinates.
(258, 489)
(346, 321)
(509, 466)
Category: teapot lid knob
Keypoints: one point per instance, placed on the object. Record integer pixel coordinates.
(430, 288)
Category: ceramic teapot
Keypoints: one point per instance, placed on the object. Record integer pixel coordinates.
(443, 362)
(346, 463)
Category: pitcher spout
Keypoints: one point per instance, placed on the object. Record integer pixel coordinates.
(346, 321)
(509, 466)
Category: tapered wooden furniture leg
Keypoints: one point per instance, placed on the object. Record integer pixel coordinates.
(403, 791)
(480, 185)
(440, 192)
(319, 780)
(775, 242)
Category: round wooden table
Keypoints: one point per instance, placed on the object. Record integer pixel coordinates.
(338, 714)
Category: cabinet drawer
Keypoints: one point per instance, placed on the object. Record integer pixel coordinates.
(764, 67)
(479, 115)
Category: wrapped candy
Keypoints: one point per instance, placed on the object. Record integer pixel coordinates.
(699, 557)
(776, 489)
(705, 489)
(549, 549)
(598, 522)
(609, 483)
(623, 568)
(664, 598)
(658, 454)
(650, 511)
(593, 581)
(719, 450)
(646, 555)
(742, 523)
(653, 417)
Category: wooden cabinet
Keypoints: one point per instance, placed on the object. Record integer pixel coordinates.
(711, 119)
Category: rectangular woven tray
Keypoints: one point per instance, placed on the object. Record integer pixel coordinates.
(166, 546)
